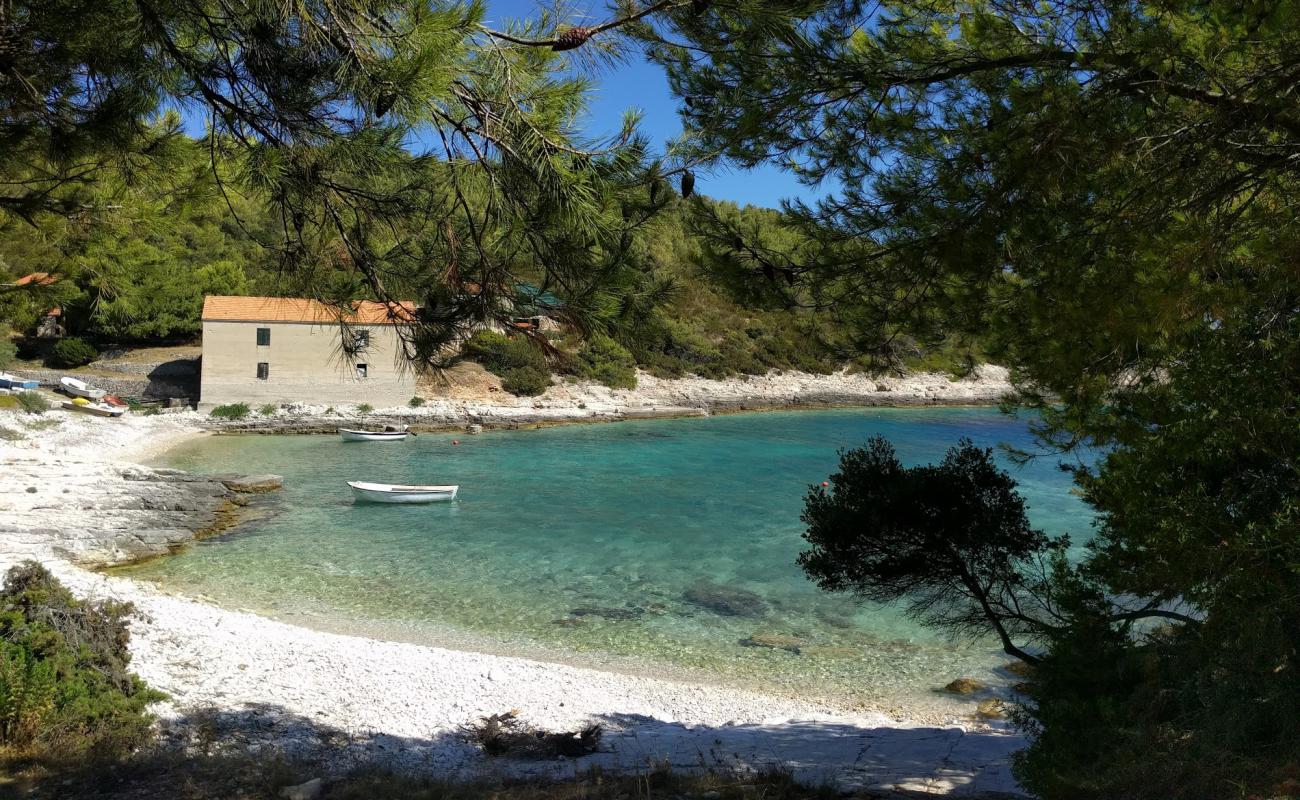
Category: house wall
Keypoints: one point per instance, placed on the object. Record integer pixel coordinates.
(305, 365)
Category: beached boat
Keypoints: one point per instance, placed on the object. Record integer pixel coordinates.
(79, 388)
(386, 435)
(98, 409)
(8, 381)
(391, 493)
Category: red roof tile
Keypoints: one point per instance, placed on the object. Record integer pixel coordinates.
(225, 308)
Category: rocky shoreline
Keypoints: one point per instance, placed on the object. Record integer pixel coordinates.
(654, 398)
(103, 515)
(71, 496)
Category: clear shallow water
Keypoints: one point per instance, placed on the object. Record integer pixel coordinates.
(615, 546)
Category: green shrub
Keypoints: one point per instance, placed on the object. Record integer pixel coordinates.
(606, 361)
(71, 352)
(8, 350)
(65, 690)
(521, 366)
(231, 411)
(11, 435)
(268, 410)
(416, 402)
(526, 381)
(365, 408)
(32, 402)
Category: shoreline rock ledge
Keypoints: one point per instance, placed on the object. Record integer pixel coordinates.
(104, 515)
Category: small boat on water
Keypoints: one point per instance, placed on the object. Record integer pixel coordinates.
(79, 388)
(8, 381)
(98, 409)
(389, 434)
(392, 493)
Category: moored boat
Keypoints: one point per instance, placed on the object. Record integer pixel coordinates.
(8, 381)
(79, 388)
(386, 435)
(395, 493)
(98, 409)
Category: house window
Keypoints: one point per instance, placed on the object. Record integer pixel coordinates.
(263, 370)
(263, 337)
(362, 339)
(361, 370)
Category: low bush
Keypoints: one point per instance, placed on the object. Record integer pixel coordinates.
(65, 690)
(32, 402)
(231, 411)
(8, 350)
(71, 352)
(416, 402)
(268, 410)
(11, 435)
(365, 408)
(521, 366)
(606, 361)
(507, 735)
(526, 381)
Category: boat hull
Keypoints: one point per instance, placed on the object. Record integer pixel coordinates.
(102, 410)
(78, 388)
(372, 436)
(383, 493)
(8, 381)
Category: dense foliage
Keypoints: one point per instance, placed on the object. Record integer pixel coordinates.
(65, 687)
(951, 540)
(520, 363)
(71, 352)
(1101, 194)
(604, 360)
(7, 347)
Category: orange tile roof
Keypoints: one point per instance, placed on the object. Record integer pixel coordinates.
(225, 308)
(38, 278)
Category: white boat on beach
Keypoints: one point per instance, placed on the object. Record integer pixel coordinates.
(16, 383)
(386, 435)
(98, 409)
(79, 388)
(392, 493)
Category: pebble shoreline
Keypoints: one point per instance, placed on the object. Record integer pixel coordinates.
(347, 700)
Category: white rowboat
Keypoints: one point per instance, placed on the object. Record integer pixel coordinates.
(390, 493)
(350, 435)
(78, 388)
(98, 409)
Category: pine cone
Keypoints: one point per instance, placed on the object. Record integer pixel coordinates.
(570, 39)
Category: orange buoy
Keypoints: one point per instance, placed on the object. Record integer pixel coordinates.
(826, 483)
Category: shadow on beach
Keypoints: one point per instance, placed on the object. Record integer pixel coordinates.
(258, 750)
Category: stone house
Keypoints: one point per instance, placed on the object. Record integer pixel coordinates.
(292, 350)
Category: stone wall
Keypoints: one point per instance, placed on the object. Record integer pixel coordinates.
(156, 388)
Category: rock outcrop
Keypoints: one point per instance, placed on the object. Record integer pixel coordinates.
(98, 515)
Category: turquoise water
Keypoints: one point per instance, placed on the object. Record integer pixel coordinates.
(653, 547)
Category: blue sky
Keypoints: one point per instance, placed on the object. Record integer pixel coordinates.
(641, 85)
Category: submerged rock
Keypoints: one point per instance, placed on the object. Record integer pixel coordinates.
(964, 686)
(605, 612)
(829, 651)
(252, 484)
(726, 601)
(775, 641)
(990, 709)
